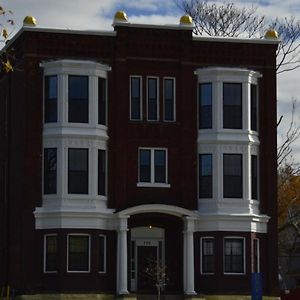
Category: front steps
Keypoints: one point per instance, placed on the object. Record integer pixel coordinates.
(134, 297)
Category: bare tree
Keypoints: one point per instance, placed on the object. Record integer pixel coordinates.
(292, 134)
(6, 28)
(222, 19)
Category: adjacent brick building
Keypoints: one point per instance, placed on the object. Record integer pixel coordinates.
(141, 142)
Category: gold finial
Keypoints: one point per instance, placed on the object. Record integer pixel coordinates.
(186, 20)
(271, 34)
(120, 17)
(29, 21)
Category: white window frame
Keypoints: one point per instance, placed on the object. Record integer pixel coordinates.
(152, 183)
(157, 96)
(258, 253)
(201, 253)
(141, 97)
(105, 254)
(45, 252)
(89, 253)
(244, 254)
(174, 96)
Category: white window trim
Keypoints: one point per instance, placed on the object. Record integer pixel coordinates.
(45, 250)
(201, 253)
(141, 97)
(174, 98)
(258, 253)
(244, 255)
(89, 253)
(152, 183)
(157, 96)
(105, 253)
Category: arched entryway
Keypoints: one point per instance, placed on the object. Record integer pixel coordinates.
(171, 241)
(155, 237)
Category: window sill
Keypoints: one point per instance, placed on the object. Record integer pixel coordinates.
(152, 184)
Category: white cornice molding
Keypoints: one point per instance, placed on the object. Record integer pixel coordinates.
(107, 219)
(70, 67)
(232, 222)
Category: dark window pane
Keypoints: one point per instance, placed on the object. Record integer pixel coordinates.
(234, 256)
(78, 99)
(51, 254)
(160, 166)
(135, 101)
(78, 253)
(205, 176)
(255, 255)
(233, 178)
(145, 172)
(50, 170)
(102, 101)
(208, 263)
(169, 100)
(254, 177)
(102, 253)
(50, 99)
(78, 171)
(152, 99)
(253, 107)
(205, 105)
(232, 105)
(101, 172)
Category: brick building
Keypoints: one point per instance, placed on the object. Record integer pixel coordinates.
(141, 142)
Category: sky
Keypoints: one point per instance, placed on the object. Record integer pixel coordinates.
(98, 15)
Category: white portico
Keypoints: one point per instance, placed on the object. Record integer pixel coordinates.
(155, 239)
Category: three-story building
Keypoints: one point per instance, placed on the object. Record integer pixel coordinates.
(142, 143)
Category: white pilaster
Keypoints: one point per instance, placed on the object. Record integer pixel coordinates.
(122, 257)
(188, 238)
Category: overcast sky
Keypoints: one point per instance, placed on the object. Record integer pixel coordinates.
(98, 15)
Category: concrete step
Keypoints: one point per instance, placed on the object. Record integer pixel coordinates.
(162, 297)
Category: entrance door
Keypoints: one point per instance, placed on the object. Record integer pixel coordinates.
(147, 258)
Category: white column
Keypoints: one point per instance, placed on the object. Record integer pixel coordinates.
(122, 257)
(188, 239)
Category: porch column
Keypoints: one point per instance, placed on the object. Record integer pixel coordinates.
(122, 256)
(188, 260)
